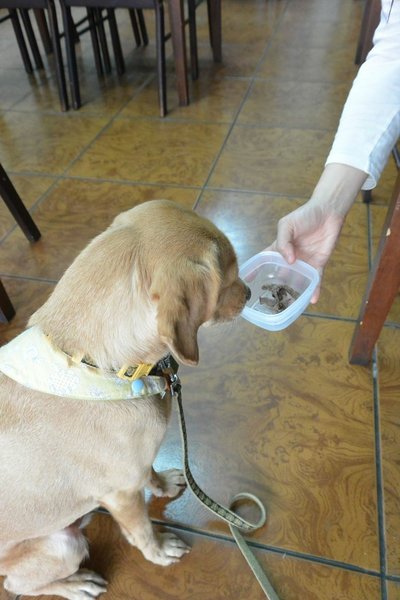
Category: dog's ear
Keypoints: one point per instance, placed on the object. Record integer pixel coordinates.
(186, 297)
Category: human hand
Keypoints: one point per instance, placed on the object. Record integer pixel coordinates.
(309, 233)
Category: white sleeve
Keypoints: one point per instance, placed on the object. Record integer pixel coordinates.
(370, 123)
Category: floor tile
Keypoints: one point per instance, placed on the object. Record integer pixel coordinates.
(393, 590)
(291, 63)
(26, 297)
(44, 143)
(29, 189)
(211, 100)
(18, 85)
(282, 415)
(214, 569)
(283, 161)
(153, 151)
(294, 104)
(389, 398)
(250, 221)
(67, 223)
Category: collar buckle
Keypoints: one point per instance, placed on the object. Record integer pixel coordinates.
(131, 373)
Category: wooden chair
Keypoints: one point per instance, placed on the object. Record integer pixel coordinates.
(25, 221)
(215, 32)
(48, 5)
(383, 286)
(370, 21)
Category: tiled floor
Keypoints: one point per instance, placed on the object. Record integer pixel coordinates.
(281, 414)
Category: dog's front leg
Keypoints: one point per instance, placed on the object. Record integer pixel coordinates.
(129, 510)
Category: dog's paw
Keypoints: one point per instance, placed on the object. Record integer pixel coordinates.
(169, 551)
(167, 483)
(82, 585)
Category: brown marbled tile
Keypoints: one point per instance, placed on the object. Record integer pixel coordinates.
(389, 399)
(26, 297)
(282, 415)
(292, 63)
(212, 99)
(44, 143)
(393, 590)
(70, 216)
(250, 221)
(153, 151)
(214, 569)
(29, 189)
(293, 104)
(275, 160)
(105, 95)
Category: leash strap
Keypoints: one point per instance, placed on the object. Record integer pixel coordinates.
(235, 522)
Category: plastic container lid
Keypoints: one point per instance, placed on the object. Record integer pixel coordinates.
(268, 268)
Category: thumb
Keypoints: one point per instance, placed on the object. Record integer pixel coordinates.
(284, 241)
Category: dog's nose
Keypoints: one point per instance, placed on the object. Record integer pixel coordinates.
(248, 293)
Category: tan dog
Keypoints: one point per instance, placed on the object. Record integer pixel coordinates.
(138, 291)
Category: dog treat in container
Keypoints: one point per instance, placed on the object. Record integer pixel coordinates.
(280, 292)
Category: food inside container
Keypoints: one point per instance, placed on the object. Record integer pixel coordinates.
(279, 292)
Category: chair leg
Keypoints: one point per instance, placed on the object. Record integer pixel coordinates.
(17, 207)
(31, 38)
(60, 73)
(177, 21)
(383, 286)
(135, 27)
(98, 17)
(194, 59)
(71, 55)
(142, 27)
(215, 26)
(21, 41)
(369, 23)
(116, 42)
(161, 66)
(41, 22)
(6, 308)
(95, 41)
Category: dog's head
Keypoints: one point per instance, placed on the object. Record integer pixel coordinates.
(144, 286)
(190, 270)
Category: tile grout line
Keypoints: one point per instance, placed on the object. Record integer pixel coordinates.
(377, 435)
(244, 99)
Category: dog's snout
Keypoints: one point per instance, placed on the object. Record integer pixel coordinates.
(248, 293)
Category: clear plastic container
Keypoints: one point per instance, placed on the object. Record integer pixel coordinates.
(268, 268)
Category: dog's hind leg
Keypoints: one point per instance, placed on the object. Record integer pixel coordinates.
(50, 565)
(167, 484)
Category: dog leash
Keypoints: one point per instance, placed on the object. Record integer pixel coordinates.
(235, 522)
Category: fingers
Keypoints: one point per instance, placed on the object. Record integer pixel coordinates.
(284, 241)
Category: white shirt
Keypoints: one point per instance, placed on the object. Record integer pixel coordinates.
(370, 123)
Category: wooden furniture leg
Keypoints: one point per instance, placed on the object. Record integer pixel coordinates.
(41, 22)
(6, 308)
(17, 207)
(383, 286)
(177, 21)
(370, 21)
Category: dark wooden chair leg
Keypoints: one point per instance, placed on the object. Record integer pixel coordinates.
(31, 38)
(383, 286)
(98, 17)
(215, 26)
(161, 65)
(95, 42)
(369, 23)
(142, 27)
(135, 27)
(69, 32)
(59, 65)
(116, 42)
(194, 60)
(21, 41)
(6, 308)
(44, 33)
(176, 17)
(17, 207)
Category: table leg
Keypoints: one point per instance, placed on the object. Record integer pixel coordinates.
(177, 20)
